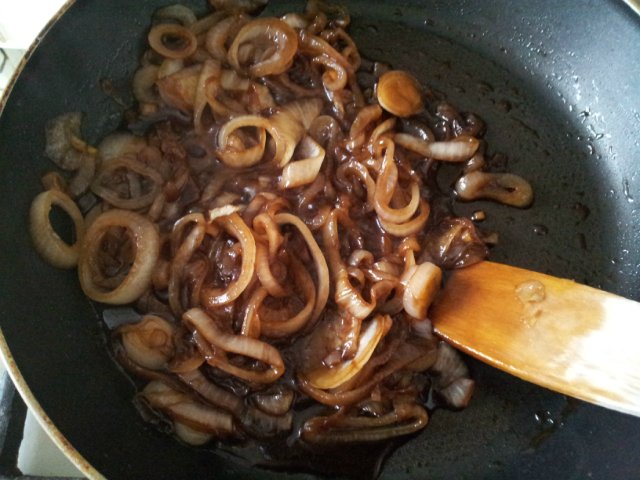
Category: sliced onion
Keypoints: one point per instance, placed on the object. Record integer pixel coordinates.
(289, 124)
(365, 117)
(399, 93)
(214, 297)
(263, 270)
(218, 35)
(172, 41)
(84, 175)
(459, 149)
(458, 393)
(287, 326)
(100, 185)
(449, 366)
(276, 402)
(322, 270)
(59, 133)
(346, 295)
(386, 185)
(169, 67)
(258, 33)
(335, 76)
(191, 435)
(223, 211)
(338, 429)
(185, 410)
(303, 172)
(181, 258)
(502, 187)
(143, 84)
(238, 344)
(410, 227)
(327, 378)
(182, 14)
(212, 393)
(422, 283)
(145, 239)
(118, 144)
(265, 226)
(210, 69)
(149, 343)
(261, 424)
(404, 355)
(45, 240)
(241, 156)
(179, 89)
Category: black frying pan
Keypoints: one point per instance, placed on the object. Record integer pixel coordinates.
(558, 83)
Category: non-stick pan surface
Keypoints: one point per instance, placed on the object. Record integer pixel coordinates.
(558, 84)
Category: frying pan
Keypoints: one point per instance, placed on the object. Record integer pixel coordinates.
(558, 85)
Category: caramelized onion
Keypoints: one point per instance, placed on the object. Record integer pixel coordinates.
(262, 60)
(322, 270)
(399, 93)
(328, 378)
(287, 326)
(338, 429)
(186, 411)
(237, 344)
(502, 187)
(459, 149)
(236, 154)
(172, 41)
(274, 167)
(59, 133)
(45, 240)
(305, 171)
(118, 144)
(234, 225)
(147, 245)
(422, 283)
(149, 342)
(137, 177)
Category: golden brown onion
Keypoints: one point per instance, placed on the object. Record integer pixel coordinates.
(232, 148)
(146, 241)
(459, 149)
(322, 270)
(271, 45)
(227, 342)
(405, 418)
(502, 187)
(139, 185)
(304, 171)
(421, 285)
(327, 378)
(172, 41)
(399, 93)
(185, 410)
(235, 226)
(179, 89)
(45, 240)
(149, 343)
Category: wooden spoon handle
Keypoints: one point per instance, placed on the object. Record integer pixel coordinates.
(568, 337)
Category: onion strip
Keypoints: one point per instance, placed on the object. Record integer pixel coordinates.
(45, 240)
(147, 243)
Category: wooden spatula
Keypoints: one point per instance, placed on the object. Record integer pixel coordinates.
(568, 337)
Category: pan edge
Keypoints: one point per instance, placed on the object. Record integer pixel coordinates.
(41, 416)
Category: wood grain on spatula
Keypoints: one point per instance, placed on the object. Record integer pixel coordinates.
(577, 340)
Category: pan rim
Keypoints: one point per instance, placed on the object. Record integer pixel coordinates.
(58, 438)
(41, 416)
